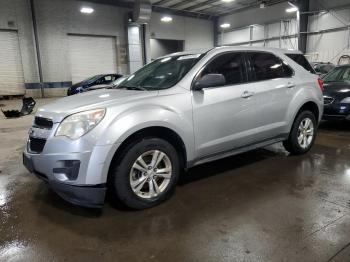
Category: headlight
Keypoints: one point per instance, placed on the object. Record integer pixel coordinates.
(346, 100)
(77, 125)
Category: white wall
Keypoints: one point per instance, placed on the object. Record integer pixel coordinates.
(18, 11)
(58, 18)
(196, 33)
(327, 4)
(280, 35)
(257, 16)
(328, 46)
(161, 47)
(322, 46)
(252, 26)
(134, 48)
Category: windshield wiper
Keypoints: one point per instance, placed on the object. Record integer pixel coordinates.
(132, 88)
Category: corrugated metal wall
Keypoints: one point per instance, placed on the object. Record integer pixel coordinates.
(328, 32)
(329, 36)
(11, 70)
(281, 34)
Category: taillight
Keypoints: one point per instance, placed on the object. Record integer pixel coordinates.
(321, 84)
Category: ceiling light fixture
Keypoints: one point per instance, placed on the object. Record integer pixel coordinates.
(86, 10)
(291, 9)
(225, 25)
(166, 19)
(228, 1)
(262, 4)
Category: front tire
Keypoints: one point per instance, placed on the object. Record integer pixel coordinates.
(303, 134)
(146, 174)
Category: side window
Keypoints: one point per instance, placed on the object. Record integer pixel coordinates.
(107, 79)
(288, 71)
(230, 65)
(99, 81)
(301, 60)
(346, 75)
(267, 66)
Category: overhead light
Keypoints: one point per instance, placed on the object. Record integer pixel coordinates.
(166, 19)
(225, 25)
(228, 1)
(291, 9)
(262, 4)
(86, 10)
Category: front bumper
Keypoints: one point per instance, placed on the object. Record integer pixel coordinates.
(336, 111)
(336, 117)
(92, 196)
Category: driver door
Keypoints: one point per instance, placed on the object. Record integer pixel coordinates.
(224, 116)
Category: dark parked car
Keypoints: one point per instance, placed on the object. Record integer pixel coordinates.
(92, 83)
(336, 94)
(323, 68)
(113, 84)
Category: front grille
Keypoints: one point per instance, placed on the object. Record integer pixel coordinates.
(36, 145)
(328, 100)
(43, 123)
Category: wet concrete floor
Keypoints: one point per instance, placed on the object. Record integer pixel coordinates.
(259, 206)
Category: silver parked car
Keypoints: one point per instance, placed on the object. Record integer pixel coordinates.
(178, 111)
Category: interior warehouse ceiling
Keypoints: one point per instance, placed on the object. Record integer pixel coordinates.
(199, 8)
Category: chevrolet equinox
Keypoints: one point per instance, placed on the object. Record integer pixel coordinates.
(176, 112)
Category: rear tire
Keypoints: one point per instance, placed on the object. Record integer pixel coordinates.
(303, 133)
(146, 174)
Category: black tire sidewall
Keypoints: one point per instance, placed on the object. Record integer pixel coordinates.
(121, 173)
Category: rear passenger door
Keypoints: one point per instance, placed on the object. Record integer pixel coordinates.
(274, 88)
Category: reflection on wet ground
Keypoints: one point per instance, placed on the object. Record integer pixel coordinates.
(259, 206)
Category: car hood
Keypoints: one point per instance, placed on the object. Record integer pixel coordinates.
(103, 98)
(338, 90)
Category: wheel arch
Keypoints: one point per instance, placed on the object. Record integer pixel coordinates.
(162, 132)
(310, 106)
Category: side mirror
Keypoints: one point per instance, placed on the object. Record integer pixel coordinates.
(209, 80)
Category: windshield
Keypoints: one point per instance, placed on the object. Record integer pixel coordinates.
(91, 79)
(117, 82)
(324, 68)
(341, 74)
(162, 73)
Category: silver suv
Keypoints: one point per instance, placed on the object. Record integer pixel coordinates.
(179, 111)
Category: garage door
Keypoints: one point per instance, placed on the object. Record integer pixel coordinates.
(91, 56)
(11, 70)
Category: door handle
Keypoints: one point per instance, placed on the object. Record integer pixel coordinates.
(247, 94)
(290, 85)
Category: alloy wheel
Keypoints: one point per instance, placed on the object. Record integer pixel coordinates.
(305, 133)
(150, 174)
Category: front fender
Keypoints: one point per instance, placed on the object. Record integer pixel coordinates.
(134, 119)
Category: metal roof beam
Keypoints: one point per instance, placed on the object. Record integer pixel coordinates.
(208, 2)
(193, 14)
(162, 2)
(247, 7)
(177, 5)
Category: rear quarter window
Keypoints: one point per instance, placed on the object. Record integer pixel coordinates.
(301, 60)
